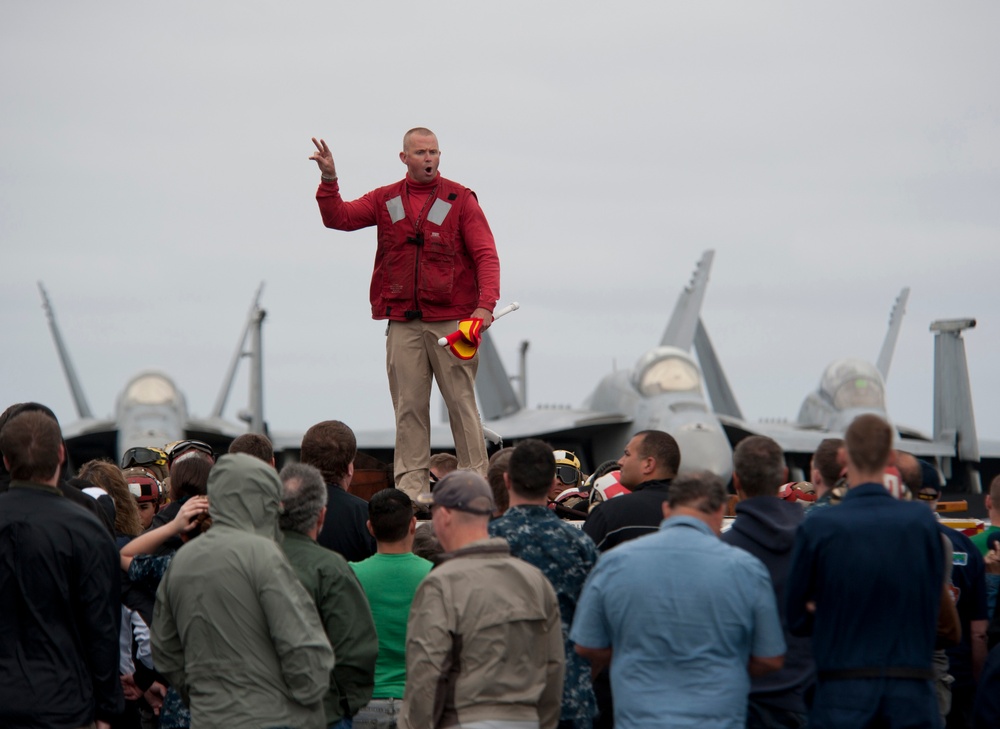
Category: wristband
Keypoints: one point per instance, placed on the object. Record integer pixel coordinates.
(324, 178)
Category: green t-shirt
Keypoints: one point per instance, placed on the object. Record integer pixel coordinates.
(980, 539)
(390, 581)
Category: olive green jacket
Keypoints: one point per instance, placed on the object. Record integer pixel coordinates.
(233, 629)
(347, 619)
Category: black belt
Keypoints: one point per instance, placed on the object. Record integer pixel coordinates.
(847, 674)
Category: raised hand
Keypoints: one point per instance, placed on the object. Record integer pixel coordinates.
(185, 520)
(324, 158)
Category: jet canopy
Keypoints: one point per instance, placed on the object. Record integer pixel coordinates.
(666, 369)
(151, 389)
(850, 384)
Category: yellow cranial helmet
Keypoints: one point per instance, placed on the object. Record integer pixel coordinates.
(568, 468)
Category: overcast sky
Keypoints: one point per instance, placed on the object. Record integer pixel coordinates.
(153, 171)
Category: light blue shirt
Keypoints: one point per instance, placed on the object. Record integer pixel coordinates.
(683, 613)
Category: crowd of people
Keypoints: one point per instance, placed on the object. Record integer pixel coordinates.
(185, 588)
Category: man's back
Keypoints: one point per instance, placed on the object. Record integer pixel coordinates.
(484, 642)
(224, 627)
(765, 526)
(346, 618)
(233, 629)
(874, 568)
(565, 555)
(59, 612)
(344, 530)
(390, 582)
(684, 613)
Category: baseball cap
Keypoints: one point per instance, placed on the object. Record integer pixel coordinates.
(929, 480)
(461, 490)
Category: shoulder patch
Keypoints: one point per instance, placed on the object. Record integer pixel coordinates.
(453, 196)
(960, 559)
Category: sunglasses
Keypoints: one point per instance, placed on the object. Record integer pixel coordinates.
(143, 457)
(568, 474)
(180, 447)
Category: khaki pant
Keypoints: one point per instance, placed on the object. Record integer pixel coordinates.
(412, 358)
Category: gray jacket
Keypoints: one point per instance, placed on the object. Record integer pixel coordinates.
(233, 629)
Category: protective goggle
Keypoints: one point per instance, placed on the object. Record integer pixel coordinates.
(180, 447)
(569, 475)
(143, 456)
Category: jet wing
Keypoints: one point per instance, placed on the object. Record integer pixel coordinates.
(524, 424)
(542, 423)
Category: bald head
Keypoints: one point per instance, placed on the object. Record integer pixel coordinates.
(419, 132)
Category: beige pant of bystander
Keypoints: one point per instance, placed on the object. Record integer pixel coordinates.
(412, 358)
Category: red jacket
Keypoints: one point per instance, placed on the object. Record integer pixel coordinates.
(435, 254)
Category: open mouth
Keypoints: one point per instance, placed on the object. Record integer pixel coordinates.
(428, 169)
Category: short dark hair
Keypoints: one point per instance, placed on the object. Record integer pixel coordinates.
(257, 445)
(189, 477)
(662, 448)
(25, 407)
(701, 490)
(532, 468)
(760, 464)
(303, 497)
(331, 447)
(499, 463)
(390, 511)
(869, 442)
(825, 460)
(30, 442)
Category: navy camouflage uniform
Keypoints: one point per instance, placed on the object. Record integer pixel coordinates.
(148, 570)
(565, 555)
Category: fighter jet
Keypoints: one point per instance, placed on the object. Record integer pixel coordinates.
(151, 410)
(850, 387)
(663, 391)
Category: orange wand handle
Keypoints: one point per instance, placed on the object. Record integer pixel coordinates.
(514, 306)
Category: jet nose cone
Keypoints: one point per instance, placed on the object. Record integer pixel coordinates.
(704, 447)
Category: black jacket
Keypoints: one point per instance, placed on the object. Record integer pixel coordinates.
(765, 527)
(59, 612)
(344, 530)
(627, 517)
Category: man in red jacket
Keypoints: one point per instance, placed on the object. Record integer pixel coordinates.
(435, 263)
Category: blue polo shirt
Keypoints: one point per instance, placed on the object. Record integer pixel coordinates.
(683, 613)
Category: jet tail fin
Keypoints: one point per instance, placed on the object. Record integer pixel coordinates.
(252, 330)
(76, 390)
(680, 331)
(719, 391)
(895, 322)
(496, 395)
(954, 419)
